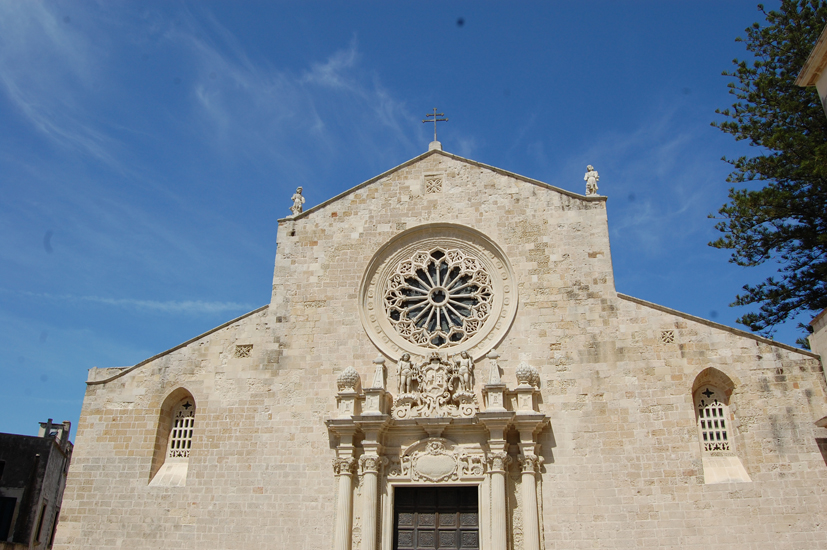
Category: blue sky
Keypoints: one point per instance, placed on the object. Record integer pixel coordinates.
(148, 149)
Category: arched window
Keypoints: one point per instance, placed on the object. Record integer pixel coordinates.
(180, 438)
(713, 419)
(711, 395)
(173, 441)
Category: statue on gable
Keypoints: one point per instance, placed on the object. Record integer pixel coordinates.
(298, 202)
(591, 179)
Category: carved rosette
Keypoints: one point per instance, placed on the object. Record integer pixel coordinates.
(498, 462)
(344, 466)
(530, 463)
(438, 287)
(371, 464)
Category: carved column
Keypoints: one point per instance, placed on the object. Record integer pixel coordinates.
(497, 422)
(531, 522)
(528, 426)
(497, 464)
(344, 469)
(370, 467)
(372, 425)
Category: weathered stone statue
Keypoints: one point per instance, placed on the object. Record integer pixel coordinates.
(298, 201)
(465, 372)
(404, 373)
(591, 179)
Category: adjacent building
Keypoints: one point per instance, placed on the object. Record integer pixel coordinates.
(813, 73)
(32, 479)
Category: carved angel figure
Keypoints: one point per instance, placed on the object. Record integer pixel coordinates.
(465, 371)
(298, 201)
(404, 373)
(591, 179)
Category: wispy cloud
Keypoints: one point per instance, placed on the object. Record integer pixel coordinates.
(42, 57)
(185, 307)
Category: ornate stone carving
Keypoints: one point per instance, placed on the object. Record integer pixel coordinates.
(372, 464)
(531, 463)
(591, 179)
(394, 466)
(528, 375)
(378, 373)
(298, 202)
(348, 380)
(438, 287)
(439, 298)
(243, 350)
(435, 388)
(405, 372)
(436, 460)
(494, 369)
(498, 462)
(344, 466)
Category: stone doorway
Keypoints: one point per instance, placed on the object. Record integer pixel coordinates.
(445, 518)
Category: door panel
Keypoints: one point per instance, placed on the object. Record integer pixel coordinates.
(431, 518)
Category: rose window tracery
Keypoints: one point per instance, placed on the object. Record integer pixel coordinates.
(438, 298)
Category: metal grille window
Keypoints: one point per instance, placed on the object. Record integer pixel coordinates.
(180, 438)
(713, 420)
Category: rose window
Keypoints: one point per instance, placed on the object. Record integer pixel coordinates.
(438, 299)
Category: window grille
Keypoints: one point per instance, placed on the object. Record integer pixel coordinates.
(180, 438)
(713, 417)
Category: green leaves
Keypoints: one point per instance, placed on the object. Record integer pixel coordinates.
(786, 220)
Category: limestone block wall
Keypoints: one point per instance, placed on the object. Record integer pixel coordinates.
(623, 462)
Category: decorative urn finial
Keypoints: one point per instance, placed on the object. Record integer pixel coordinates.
(348, 380)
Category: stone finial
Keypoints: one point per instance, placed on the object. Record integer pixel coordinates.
(527, 375)
(348, 380)
(298, 202)
(379, 373)
(494, 368)
(591, 179)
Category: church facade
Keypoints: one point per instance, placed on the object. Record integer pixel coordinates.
(445, 363)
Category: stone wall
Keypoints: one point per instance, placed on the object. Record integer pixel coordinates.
(623, 462)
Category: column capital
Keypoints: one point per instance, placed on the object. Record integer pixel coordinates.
(498, 462)
(530, 463)
(344, 466)
(371, 464)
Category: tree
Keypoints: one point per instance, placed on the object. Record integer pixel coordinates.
(786, 220)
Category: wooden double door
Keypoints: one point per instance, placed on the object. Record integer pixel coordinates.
(445, 518)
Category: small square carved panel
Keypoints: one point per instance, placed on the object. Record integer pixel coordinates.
(243, 350)
(667, 336)
(426, 539)
(433, 184)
